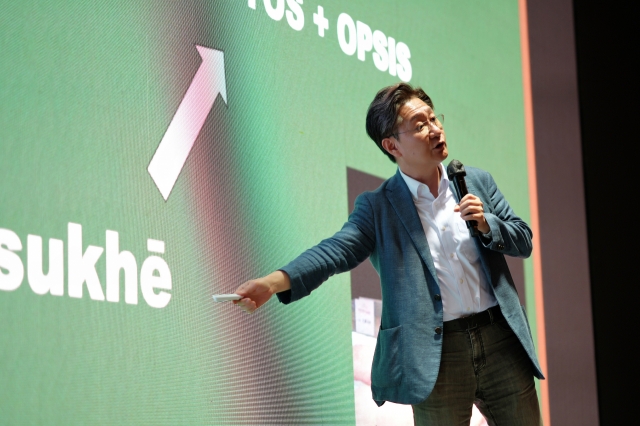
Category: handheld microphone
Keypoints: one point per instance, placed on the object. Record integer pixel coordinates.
(456, 173)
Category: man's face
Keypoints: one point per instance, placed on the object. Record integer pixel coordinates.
(417, 148)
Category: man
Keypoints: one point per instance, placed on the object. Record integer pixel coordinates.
(452, 330)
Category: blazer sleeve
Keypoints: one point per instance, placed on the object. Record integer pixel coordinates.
(342, 252)
(510, 235)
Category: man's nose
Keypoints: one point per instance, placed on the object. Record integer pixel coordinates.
(434, 130)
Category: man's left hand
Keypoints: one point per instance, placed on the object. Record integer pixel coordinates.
(470, 208)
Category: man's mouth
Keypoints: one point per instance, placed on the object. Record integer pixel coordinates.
(439, 145)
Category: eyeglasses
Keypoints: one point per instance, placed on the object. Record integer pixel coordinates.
(423, 127)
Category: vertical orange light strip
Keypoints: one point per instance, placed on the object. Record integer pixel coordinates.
(533, 201)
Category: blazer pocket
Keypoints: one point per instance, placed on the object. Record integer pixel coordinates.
(386, 370)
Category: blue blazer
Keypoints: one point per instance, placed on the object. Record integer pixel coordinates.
(385, 227)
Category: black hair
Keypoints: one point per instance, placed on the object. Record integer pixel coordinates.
(382, 114)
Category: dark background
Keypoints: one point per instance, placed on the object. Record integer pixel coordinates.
(607, 70)
(583, 90)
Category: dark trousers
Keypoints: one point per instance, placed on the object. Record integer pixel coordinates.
(487, 366)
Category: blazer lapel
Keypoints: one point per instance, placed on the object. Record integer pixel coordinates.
(400, 198)
(453, 189)
(472, 190)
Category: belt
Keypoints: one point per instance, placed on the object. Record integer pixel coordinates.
(480, 319)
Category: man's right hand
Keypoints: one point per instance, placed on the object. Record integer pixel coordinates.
(256, 293)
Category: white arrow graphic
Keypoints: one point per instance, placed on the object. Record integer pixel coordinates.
(209, 81)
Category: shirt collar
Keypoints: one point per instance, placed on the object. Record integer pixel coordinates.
(420, 191)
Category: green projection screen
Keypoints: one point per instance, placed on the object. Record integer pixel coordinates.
(155, 153)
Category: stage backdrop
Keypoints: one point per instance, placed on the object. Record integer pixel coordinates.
(155, 153)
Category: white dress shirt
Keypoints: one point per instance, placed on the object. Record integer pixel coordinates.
(463, 286)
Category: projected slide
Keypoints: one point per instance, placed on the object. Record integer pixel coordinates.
(154, 154)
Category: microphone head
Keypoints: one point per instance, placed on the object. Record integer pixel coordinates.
(455, 168)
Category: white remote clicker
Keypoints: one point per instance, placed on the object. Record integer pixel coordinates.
(226, 297)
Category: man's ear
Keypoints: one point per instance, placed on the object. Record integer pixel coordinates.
(391, 146)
